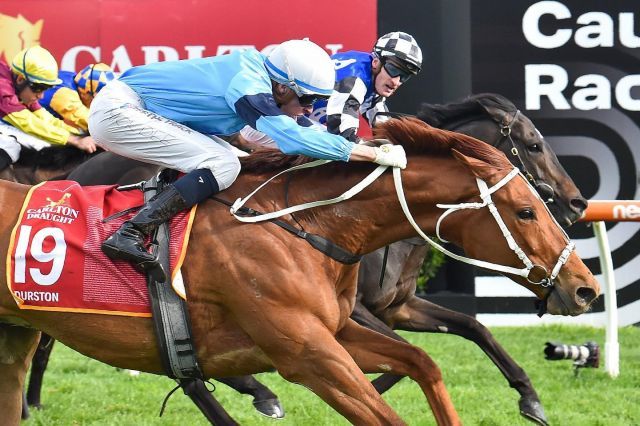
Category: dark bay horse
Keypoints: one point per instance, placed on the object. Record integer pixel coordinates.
(289, 305)
(49, 163)
(392, 303)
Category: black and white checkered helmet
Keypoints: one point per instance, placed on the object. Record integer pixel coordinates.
(401, 45)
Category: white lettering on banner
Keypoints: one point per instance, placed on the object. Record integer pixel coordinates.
(38, 296)
(535, 89)
(531, 24)
(333, 48)
(152, 54)
(620, 211)
(223, 49)
(121, 60)
(597, 28)
(595, 92)
(194, 52)
(69, 58)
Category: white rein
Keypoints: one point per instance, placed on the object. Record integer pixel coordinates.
(485, 195)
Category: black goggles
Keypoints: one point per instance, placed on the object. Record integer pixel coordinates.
(394, 71)
(308, 100)
(38, 87)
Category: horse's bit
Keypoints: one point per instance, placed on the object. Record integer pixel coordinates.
(505, 132)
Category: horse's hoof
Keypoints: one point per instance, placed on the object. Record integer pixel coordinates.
(531, 409)
(270, 408)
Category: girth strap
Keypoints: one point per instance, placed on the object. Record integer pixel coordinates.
(327, 247)
(170, 316)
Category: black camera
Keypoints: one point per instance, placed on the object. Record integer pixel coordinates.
(585, 355)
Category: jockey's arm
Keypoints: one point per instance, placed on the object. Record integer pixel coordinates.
(343, 107)
(38, 125)
(68, 104)
(261, 112)
(379, 106)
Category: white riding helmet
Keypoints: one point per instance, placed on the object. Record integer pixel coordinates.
(303, 66)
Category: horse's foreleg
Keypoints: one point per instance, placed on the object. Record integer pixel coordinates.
(265, 401)
(364, 317)
(17, 345)
(421, 315)
(375, 353)
(306, 352)
(38, 366)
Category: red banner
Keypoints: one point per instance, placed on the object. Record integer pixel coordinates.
(124, 33)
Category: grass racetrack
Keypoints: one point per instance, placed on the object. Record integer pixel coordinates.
(81, 391)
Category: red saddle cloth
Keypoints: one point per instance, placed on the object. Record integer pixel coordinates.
(54, 261)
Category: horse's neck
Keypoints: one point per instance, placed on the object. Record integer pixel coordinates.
(374, 218)
(483, 128)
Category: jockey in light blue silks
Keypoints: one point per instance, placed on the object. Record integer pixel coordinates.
(166, 113)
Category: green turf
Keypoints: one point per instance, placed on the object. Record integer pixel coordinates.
(80, 391)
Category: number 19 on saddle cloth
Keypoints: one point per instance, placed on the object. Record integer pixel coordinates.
(54, 261)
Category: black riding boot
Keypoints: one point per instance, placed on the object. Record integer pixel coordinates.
(127, 243)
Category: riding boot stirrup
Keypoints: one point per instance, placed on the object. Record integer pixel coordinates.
(127, 243)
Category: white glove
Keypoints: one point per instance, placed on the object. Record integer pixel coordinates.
(391, 155)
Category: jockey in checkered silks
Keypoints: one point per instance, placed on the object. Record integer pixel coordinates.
(365, 80)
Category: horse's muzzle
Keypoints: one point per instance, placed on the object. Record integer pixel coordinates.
(560, 302)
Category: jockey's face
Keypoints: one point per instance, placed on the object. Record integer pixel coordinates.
(86, 98)
(288, 101)
(28, 95)
(384, 84)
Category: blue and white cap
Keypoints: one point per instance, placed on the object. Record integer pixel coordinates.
(303, 66)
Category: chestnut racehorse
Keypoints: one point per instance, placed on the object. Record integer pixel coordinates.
(259, 299)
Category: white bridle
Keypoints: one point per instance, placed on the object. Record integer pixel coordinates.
(485, 196)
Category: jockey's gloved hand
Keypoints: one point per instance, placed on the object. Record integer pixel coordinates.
(391, 155)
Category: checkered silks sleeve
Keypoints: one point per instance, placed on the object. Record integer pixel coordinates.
(380, 105)
(343, 107)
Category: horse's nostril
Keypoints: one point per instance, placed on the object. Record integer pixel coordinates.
(585, 295)
(579, 204)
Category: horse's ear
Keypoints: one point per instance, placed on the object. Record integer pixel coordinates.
(479, 168)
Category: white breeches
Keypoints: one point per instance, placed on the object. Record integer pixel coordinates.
(119, 123)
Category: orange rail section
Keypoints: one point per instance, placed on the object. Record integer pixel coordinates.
(612, 211)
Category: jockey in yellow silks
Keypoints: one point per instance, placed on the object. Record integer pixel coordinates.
(22, 85)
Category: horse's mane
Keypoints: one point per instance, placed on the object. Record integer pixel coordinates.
(441, 115)
(416, 137)
(52, 157)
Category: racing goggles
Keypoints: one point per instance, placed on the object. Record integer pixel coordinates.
(394, 70)
(309, 100)
(38, 87)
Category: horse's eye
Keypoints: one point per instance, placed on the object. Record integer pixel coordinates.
(526, 214)
(535, 148)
